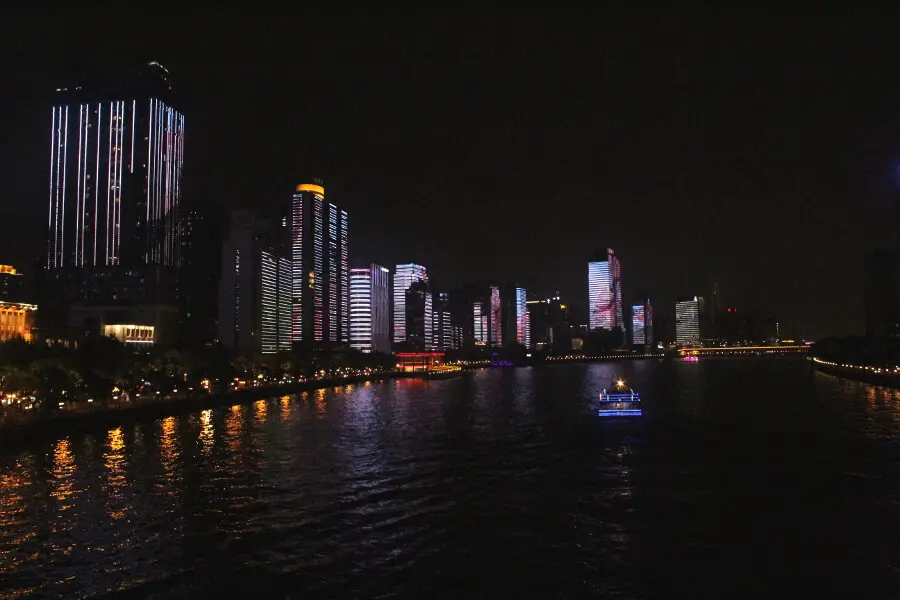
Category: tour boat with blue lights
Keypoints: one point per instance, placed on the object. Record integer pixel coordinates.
(619, 400)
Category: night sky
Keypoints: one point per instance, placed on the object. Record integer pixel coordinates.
(756, 153)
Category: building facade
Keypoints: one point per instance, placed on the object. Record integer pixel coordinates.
(687, 322)
(605, 292)
(113, 244)
(370, 309)
(320, 313)
(255, 288)
(404, 276)
(642, 323)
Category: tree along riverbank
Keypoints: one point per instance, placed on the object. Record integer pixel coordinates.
(106, 417)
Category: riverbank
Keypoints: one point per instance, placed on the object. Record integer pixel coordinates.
(62, 424)
(866, 374)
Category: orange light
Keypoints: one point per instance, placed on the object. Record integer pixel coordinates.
(309, 187)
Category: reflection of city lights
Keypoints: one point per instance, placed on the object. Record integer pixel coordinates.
(234, 425)
(114, 460)
(320, 402)
(206, 430)
(260, 409)
(285, 408)
(63, 471)
(167, 446)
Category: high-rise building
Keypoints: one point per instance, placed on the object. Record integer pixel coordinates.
(255, 287)
(202, 228)
(605, 292)
(116, 156)
(642, 323)
(113, 224)
(320, 314)
(516, 320)
(447, 336)
(687, 322)
(549, 324)
(16, 316)
(404, 277)
(495, 323)
(418, 316)
(370, 309)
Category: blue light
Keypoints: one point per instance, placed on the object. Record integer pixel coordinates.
(632, 412)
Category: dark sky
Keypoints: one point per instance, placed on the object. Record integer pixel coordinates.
(756, 153)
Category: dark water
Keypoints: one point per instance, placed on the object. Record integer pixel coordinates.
(746, 478)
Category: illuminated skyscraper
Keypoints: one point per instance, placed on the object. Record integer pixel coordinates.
(116, 157)
(404, 277)
(687, 322)
(370, 309)
(114, 227)
(642, 323)
(480, 323)
(320, 282)
(523, 329)
(605, 292)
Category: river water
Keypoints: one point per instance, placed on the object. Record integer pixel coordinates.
(745, 478)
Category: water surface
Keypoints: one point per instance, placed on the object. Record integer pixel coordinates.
(745, 478)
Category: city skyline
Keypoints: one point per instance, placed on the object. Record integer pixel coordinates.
(719, 202)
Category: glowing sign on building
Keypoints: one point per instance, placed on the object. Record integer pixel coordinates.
(496, 327)
(605, 293)
(130, 333)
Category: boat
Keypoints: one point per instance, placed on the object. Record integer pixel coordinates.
(690, 358)
(619, 401)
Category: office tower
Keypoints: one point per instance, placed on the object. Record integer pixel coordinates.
(495, 326)
(480, 323)
(320, 314)
(417, 317)
(202, 236)
(115, 188)
(880, 293)
(116, 156)
(642, 323)
(429, 321)
(404, 277)
(605, 292)
(255, 287)
(516, 321)
(370, 309)
(442, 323)
(687, 322)
(550, 324)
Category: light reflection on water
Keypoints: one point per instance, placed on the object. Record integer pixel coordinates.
(431, 488)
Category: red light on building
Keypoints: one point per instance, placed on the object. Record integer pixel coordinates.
(418, 361)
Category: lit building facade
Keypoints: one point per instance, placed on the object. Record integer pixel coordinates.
(370, 309)
(687, 322)
(255, 288)
(404, 277)
(16, 320)
(495, 322)
(116, 164)
(320, 313)
(642, 323)
(605, 292)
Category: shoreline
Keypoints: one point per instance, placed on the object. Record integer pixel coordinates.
(60, 425)
(858, 373)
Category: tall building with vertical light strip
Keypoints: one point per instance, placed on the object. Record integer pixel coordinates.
(404, 277)
(642, 323)
(523, 322)
(320, 312)
(370, 309)
(687, 322)
(605, 292)
(116, 164)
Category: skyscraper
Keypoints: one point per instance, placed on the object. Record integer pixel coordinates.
(116, 157)
(605, 292)
(495, 323)
(114, 231)
(255, 287)
(370, 309)
(687, 322)
(523, 322)
(404, 277)
(642, 323)
(320, 282)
